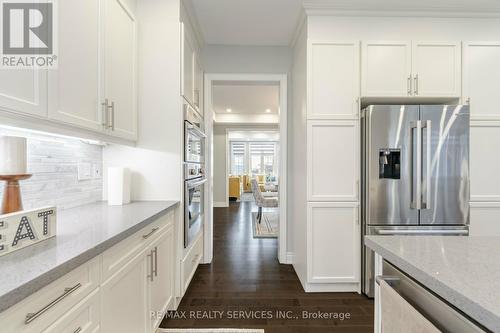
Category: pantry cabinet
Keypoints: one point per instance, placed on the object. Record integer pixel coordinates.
(333, 243)
(481, 77)
(74, 94)
(333, 162)
(417, 69)
(334, 80)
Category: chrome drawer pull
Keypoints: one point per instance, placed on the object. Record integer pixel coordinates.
(78, 330)
(32, 316)
(151, 233)
(155, 251)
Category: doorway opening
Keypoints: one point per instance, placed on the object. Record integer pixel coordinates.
(246, 125)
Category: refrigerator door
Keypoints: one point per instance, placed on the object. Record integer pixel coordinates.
(389, 165)
(445, 166)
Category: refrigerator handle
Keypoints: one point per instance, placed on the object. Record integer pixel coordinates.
(416, 179)
(428, 172)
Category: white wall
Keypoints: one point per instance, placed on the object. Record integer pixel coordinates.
(156, 160)
(297, 169)
(220, 157)
(246, 59)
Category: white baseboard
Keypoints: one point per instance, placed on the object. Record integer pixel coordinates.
(289, 258)
(220, 204)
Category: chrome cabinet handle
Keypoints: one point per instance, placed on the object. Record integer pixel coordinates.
(460, 232)
(416, 84)
(408, 85)
(32, 316)
(155, 251)
(150, 256)
(105, 119)
(387, 278)
(151, 233)
(78, 330)
(112, 126)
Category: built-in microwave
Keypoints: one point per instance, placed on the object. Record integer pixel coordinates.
(194, 136)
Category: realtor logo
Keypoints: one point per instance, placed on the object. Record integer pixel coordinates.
(28, 31)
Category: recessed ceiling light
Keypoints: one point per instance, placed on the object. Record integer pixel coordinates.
(268, 110)
(229, 110)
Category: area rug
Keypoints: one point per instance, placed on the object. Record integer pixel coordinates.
(268, 227)
(209, 330)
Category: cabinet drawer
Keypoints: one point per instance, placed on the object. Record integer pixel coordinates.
(191, 261)
(82, 318)
(117, 256)
(37, 312)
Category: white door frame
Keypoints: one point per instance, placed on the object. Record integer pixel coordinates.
(282, 79)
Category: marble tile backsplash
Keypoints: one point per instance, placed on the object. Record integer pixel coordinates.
(53, 161)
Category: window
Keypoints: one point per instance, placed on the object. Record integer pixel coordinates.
(238, 158)
(253, 158)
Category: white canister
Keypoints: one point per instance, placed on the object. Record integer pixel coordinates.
(13, 156)
(118, 186)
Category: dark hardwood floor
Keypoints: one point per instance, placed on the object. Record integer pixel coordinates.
(246, 287)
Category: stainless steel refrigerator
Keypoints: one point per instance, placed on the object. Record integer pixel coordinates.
(415, 166)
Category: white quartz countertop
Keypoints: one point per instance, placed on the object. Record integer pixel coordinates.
(82, 234)
(464, 271)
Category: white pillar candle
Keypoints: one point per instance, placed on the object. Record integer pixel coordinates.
(13, 155)
(118, 186)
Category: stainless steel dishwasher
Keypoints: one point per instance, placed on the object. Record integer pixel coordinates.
(443, 315)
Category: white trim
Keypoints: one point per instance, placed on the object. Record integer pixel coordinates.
(301, 23)
(283, 81)
(220, 204)
(290, 256)
(192, 19)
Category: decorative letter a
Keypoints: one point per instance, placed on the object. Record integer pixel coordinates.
(25, 223)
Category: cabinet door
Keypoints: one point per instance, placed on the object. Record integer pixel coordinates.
(333, 243)
(386, 69)
(437, 69)
(484, 161)
(187, 79)
(74, 95)
(24, 91)
(162, 284)
(481, 79)
(333, 161)
(124, 299)
(198, 83)
(334, 76)
(120, 69)
(485, 219)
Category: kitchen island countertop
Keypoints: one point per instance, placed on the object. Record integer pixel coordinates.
(82, 234)
(464, 271)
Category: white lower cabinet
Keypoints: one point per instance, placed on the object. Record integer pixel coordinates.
(191, 261)
(131, 295)
(123, 299)
(161, 282)
(333, 243)
(484, 219)
(83, 318)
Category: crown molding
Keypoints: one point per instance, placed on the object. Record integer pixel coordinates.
(327, 8)
(301, 22)
(188, 9)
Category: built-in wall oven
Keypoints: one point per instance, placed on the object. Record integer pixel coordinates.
(194, 174)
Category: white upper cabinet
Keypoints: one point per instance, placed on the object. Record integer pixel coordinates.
(188, 63)
(418, 69)
(74, 95)
(197, 83)
(333, 161)
(482, 78)
(24, 91)
(436, 69)
(334, 80)
(386, 69)
(333, 243)
(120, 88)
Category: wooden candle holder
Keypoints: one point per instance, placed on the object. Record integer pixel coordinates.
(12, 201)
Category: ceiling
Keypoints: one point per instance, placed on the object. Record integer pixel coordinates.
(245, 99)
(247, 22)
(273, 22)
